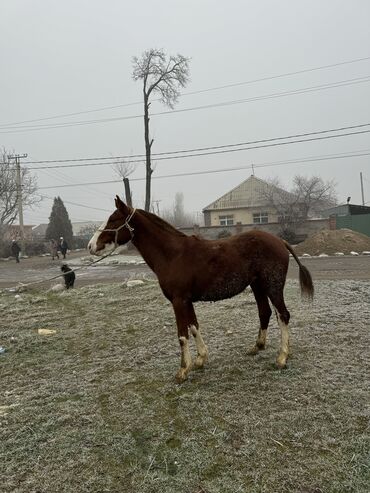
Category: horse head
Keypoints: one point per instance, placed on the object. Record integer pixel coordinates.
(114, 232)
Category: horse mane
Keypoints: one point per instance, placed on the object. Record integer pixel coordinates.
(161, 223)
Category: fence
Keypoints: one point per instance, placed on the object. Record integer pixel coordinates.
(359, 223)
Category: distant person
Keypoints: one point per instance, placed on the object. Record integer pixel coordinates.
(63, 246)
(15, 250)
(54, 249)
(69, 276)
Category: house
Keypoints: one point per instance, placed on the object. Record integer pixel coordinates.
(13, 232)
(80, 229)
(39, 232)
(251, 202)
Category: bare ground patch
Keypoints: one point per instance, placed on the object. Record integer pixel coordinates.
(94, 408)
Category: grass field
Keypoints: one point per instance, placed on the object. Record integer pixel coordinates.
(95, 408)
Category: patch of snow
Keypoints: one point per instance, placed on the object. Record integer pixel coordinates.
(57, 288)
(46, 332)
(306, 255)
(134, 282)
(339, 254)
(365, 253)
(354, 253)
(323, 255)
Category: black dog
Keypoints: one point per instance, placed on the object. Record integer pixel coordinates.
(69, 276)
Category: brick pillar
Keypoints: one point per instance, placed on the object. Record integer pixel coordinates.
(239, 228)
(333, 222)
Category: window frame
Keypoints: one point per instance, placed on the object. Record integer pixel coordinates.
(258, 217)
(226, 220)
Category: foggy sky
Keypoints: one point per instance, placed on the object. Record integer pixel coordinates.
(71, 56)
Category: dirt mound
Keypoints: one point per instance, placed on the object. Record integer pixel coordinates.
(330, 242)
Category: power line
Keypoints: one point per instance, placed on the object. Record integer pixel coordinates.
(67, 180)
(222, 170)
(298, 141)
(199, 149)
(68, 202)
(332, 85)
(262, 79)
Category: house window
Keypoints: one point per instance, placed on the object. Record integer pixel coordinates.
(260, 218)
(226, 220)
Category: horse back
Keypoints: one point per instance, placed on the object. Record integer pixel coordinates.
(210, 270)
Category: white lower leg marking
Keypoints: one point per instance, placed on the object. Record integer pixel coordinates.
(284, 348)
(185, 352)
(201, 347)
(261, 340)
(260, 343)
(186, 362)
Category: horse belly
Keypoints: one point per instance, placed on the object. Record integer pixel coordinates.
(222, 288)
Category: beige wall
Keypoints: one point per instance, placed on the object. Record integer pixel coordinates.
(306, 229)
(12, 232)
(244, 216)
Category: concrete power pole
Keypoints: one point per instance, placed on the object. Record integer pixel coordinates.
(17, 158)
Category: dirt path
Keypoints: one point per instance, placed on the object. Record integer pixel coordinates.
(123, 267)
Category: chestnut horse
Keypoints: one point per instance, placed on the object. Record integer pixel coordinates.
(191, 269)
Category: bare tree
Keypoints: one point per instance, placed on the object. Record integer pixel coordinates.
(314, 194)
(164, 76)
(9, 191)
(177, 215)
(124, 170)
(308, 197)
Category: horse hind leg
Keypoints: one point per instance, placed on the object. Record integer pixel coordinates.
(283, 317)
(264, 313)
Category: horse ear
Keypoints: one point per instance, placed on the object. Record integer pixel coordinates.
(119, 203)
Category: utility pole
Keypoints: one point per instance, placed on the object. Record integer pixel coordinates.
(17, 158)
(362, 189)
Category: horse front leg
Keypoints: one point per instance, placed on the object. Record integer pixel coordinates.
(202, 350)
(185, 320)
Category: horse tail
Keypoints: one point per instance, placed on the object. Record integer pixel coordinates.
(305, 279)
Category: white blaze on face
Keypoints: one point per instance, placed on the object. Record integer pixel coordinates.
(93, 243)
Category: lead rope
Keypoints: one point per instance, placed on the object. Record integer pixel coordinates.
(126, 224)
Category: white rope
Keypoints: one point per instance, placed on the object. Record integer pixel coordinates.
(22, 285)
(126, 224)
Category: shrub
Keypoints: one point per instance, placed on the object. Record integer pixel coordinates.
(5, 249)
(32, 248)
(288, 235)
(79, 242)
(223, 234)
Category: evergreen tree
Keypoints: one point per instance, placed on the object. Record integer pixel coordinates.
(59, 223)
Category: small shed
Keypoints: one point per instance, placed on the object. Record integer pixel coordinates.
(350, 216)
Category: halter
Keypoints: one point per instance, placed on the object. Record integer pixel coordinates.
(124, 225)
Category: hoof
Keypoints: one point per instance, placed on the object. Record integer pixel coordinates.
(200, 362)
(181, 375)
(281, 361)
(254, 350)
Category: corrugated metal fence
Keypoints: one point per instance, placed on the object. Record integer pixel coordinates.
(359, 223)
